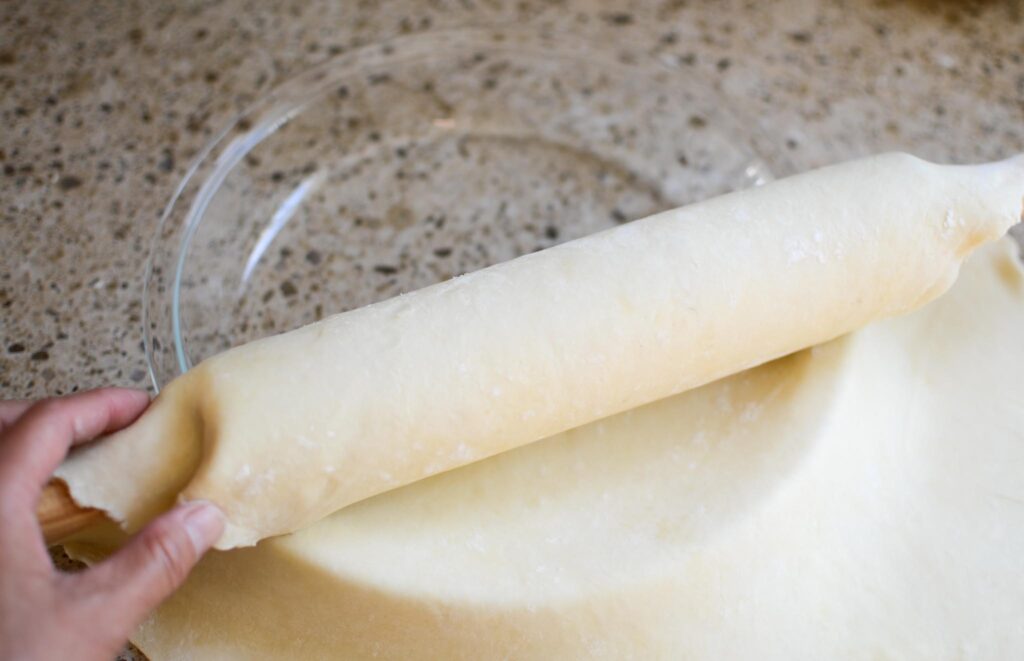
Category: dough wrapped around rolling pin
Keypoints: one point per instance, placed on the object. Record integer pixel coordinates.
(286, 430)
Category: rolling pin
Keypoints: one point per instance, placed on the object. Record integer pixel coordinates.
(60, 516)
(283, 431)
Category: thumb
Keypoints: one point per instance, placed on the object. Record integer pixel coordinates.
(156, 561)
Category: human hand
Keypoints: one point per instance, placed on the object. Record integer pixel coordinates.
(47, 614)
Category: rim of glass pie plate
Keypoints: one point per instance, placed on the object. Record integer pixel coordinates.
(264, 116)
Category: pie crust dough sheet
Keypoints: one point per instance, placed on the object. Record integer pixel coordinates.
(284, 431)
(858, 500)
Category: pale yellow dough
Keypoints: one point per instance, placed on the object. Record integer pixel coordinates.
(284, 431)
(859, 500)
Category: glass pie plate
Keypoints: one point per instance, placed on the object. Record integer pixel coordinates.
(408, 162)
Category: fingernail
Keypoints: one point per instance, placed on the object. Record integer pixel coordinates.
(204, 524)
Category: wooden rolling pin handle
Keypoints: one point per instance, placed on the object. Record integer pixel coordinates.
(60, 516)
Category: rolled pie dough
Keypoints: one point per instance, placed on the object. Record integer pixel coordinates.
(286, 430)
(859, 500)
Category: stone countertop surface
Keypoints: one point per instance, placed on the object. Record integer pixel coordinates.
(105, 104)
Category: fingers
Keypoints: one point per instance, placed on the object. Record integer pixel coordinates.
(38, 440)
(11, 410)
(155, 562)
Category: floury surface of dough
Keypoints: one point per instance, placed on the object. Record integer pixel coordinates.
(859, 500)
(284, 431)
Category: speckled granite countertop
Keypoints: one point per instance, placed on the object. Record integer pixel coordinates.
(104, 105)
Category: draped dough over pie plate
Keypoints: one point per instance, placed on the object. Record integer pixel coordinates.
(859, 499)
